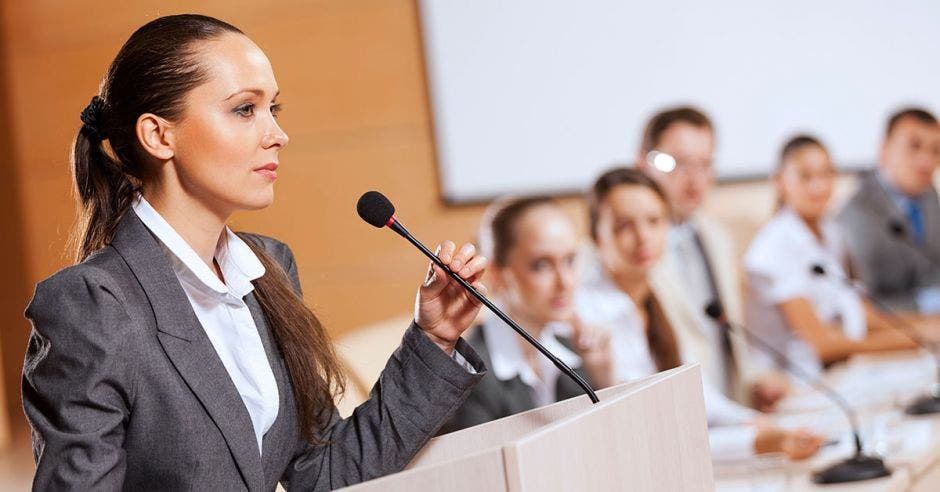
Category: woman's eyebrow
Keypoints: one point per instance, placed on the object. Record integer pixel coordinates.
(258, 92)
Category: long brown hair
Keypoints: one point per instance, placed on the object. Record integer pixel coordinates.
(152, 73)
(660, 336)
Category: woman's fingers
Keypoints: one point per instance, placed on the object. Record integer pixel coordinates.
(436, 279)
(481, 289)
(462, 261)
(462, 257)
(592, 338)
(446, 251)
(473, 268)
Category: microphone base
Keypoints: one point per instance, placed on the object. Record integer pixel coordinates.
(857, 468)
(925, 405)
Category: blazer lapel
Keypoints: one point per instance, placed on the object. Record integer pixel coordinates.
(883, 205)
(279, 441)
(930, 206)
(187, 345)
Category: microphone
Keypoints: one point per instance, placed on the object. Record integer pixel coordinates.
(378, 211)
(856, 468)
(926, 404)
(897, 229)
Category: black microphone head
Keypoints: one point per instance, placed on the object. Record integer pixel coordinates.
(375, 209)
(818, 269)
(714, 310)
(896, 228)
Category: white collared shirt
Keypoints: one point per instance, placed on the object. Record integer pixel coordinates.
(779, 265)
(222, 312)
(508, 360)
(602, 304)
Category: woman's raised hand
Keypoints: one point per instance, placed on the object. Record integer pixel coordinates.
(593, 346)
(444, 309)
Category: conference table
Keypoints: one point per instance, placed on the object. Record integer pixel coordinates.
(878, 387)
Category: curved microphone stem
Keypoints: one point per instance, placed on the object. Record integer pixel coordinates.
(905, 328)
(396, 226)
(807, 378)
(909, 331)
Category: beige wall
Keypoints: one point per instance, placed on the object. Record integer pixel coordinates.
(356, 109)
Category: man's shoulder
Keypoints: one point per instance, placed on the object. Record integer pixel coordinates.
(866, 199)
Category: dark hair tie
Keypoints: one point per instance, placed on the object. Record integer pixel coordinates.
(92, 116)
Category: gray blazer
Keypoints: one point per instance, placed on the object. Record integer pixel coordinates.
(886, 259)
(124, 390)
(494, 399)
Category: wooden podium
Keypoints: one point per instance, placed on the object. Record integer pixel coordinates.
(649, 434)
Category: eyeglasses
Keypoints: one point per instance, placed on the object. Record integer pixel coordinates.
(668, 164)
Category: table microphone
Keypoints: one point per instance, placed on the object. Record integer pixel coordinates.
(926, 404)
(860, 466)
(897, 229)
(378, 211)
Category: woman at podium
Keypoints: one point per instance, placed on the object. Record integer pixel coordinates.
(630, 220)
(533, 247)
(178, 355)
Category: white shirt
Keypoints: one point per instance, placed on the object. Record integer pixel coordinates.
(601, 303)
(779, 265)
(222, 312)
(508, 360)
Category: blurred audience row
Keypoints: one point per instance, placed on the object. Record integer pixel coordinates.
(661, 284)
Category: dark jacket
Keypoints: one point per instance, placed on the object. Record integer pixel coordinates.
(124, 390)
(877, 233)
(493, 398)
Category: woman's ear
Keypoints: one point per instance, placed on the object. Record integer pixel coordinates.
(155, 135)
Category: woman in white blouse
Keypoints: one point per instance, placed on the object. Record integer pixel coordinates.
(630, 222)
(533, 244)
(799, 298)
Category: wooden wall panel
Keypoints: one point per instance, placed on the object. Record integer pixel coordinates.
(356, 110)
(11, 254)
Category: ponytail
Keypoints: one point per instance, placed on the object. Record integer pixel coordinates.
(103, 190)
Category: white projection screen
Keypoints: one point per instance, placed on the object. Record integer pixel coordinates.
(538, 96)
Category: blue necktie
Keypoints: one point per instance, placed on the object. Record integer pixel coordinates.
(916, 219)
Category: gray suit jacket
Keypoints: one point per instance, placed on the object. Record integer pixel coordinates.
(885, 257)
(494, 398)
(124, 390)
